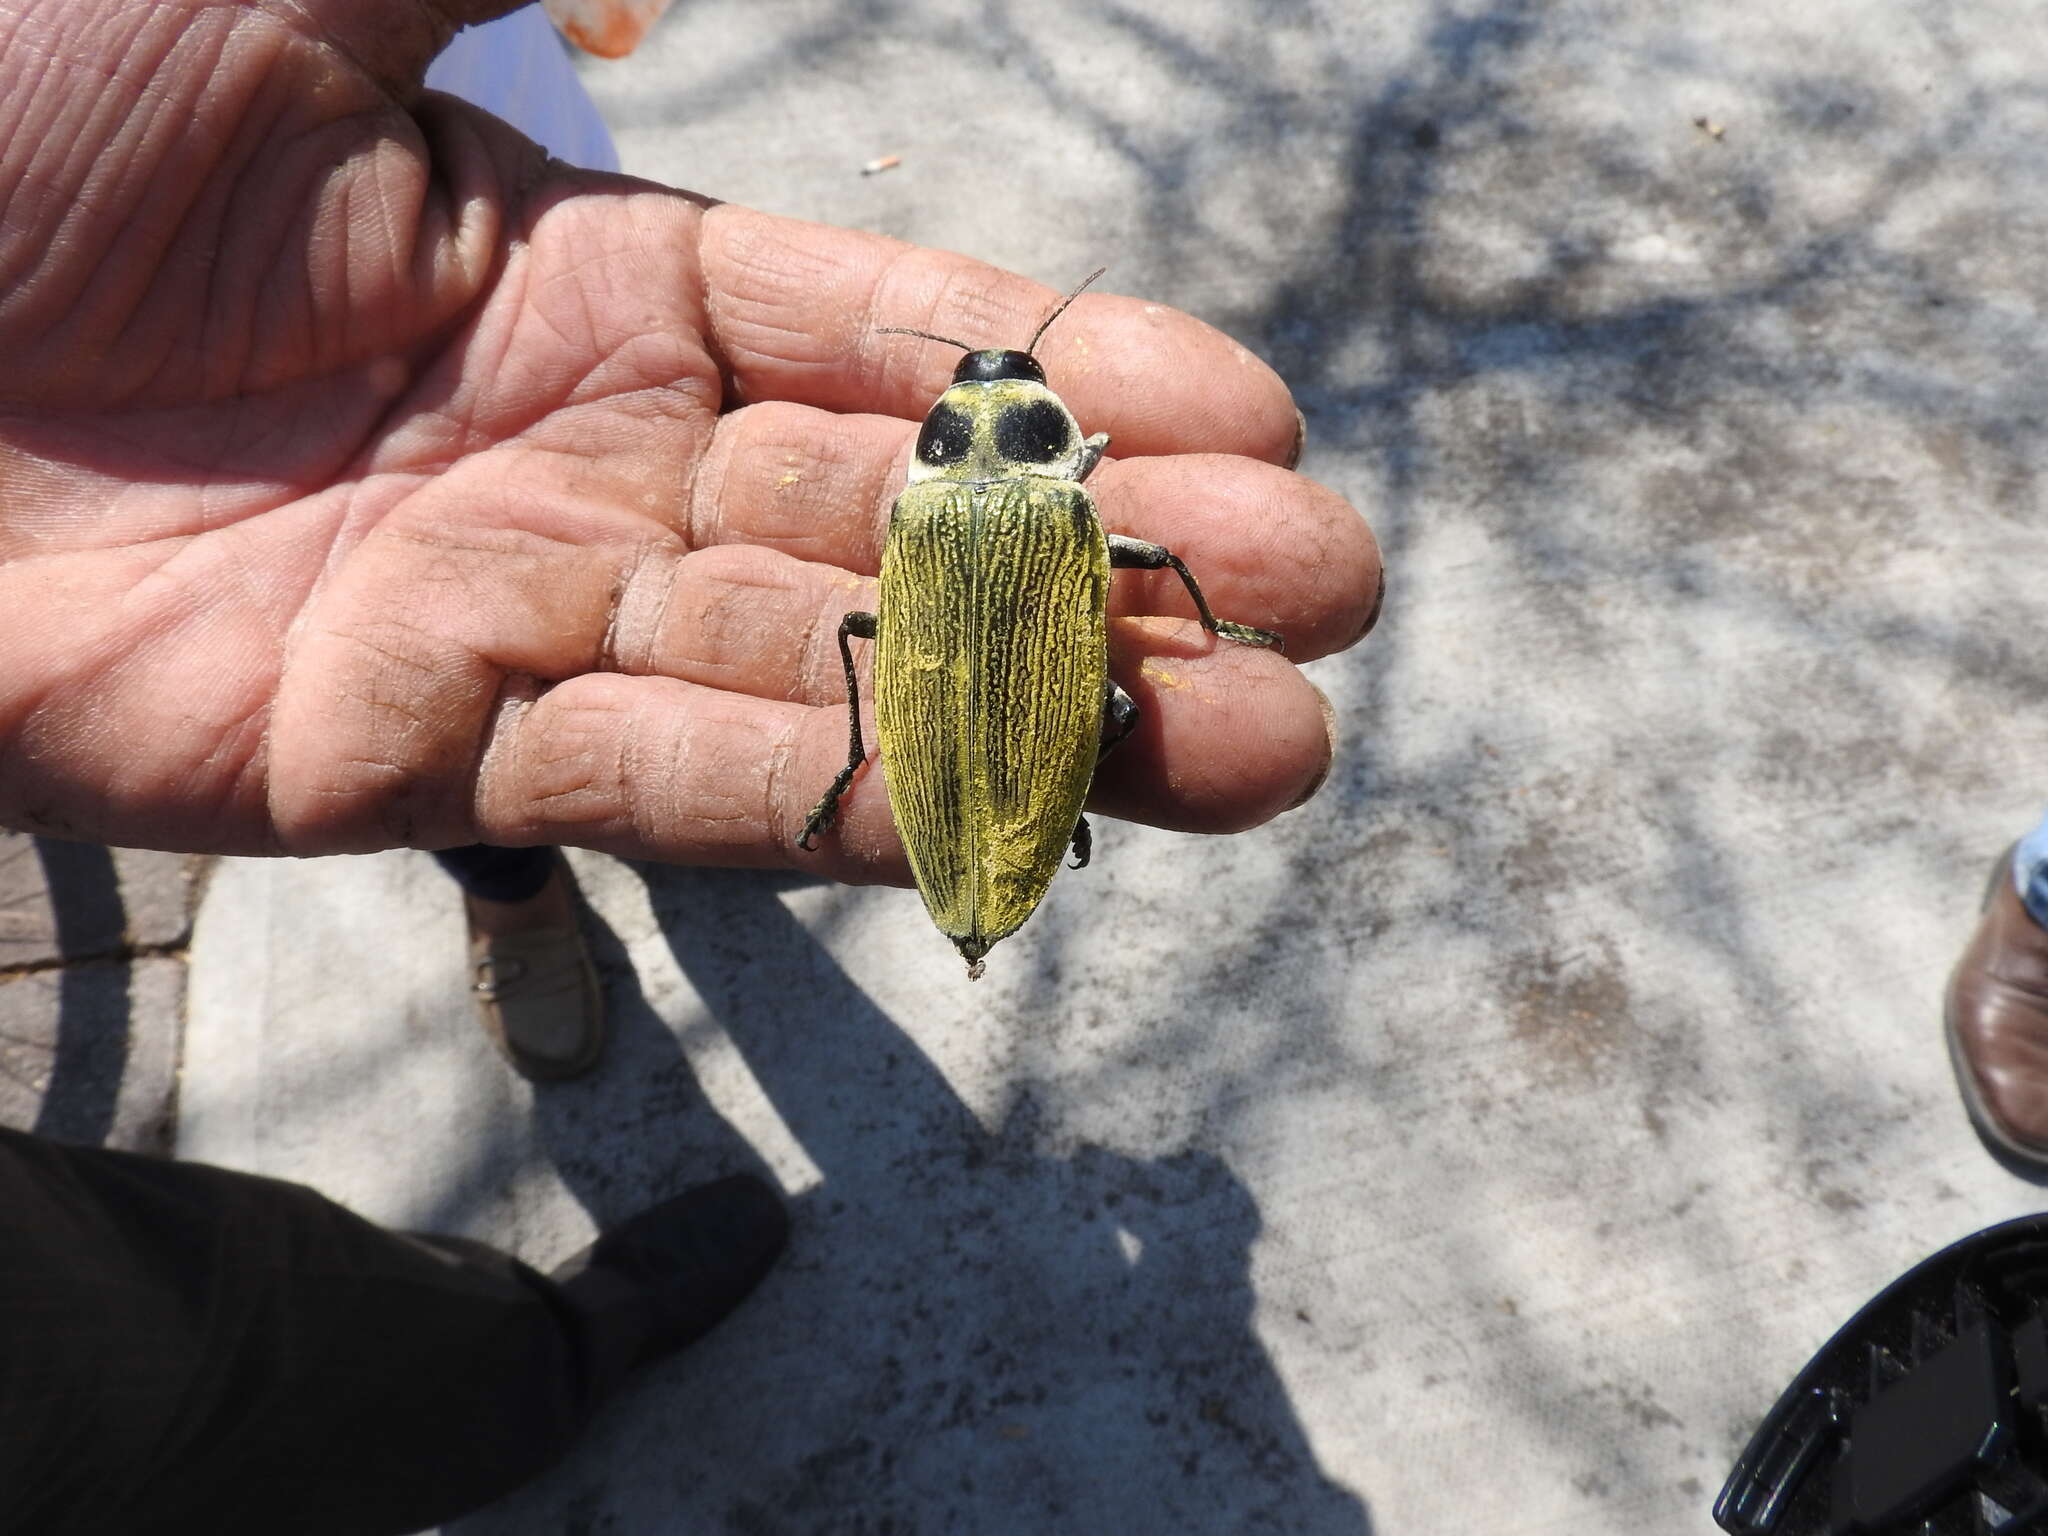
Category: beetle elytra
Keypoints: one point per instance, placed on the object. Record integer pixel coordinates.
(993, 698)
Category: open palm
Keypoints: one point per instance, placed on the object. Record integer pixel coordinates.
(367, 479)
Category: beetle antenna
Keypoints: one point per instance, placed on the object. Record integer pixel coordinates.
(907, 330)
(1061, 307)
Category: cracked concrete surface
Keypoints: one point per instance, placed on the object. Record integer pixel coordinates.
(92, 989)
(1548, 1088)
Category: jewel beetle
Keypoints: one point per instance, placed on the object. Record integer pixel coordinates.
(993, 697)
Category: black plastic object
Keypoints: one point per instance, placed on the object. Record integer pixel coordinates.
(1923, 1416)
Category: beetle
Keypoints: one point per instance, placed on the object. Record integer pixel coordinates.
(993, 697)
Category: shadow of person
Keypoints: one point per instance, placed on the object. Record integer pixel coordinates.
(972, 1330)
(639, 1129)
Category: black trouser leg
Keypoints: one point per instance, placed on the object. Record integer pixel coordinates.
(185, 1349)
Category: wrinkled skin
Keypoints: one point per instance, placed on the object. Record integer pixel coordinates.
(368, 480)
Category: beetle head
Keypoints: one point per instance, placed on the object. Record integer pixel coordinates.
(998, 363)
(998, 420)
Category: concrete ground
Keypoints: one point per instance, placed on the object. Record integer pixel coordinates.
(93, 945)
(1547, 1089)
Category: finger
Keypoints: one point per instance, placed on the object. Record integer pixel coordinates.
(657, 767)
(748, 620)
(1228, 736)
(758, 622)
(814, 484)
(652, 767)
(795, 309)
(1268, 547)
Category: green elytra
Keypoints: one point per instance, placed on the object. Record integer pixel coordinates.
(993, 698)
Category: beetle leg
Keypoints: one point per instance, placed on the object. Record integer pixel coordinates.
(1120, 715)
(1136, 555)
(1091, 455)
(826, 811)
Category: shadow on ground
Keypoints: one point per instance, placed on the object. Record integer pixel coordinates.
(63, 1066)
(970, 1332)
(94, 1019)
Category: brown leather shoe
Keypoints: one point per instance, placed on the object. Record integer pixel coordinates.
(1997, 1017)
(538, 995)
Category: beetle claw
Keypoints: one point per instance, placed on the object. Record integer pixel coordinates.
(1083, 843)
(818, 821)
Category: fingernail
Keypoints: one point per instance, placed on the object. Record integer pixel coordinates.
(1379, 601)
(1329, 758)
(1300, 439)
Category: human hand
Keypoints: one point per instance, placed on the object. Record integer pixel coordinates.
(367, 480)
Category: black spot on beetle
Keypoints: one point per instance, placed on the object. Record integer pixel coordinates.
(1033, 433)
(946, 437)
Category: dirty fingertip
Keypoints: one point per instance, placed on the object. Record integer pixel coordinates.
(1321, 774)
(1379, 601)
(1300, 440)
